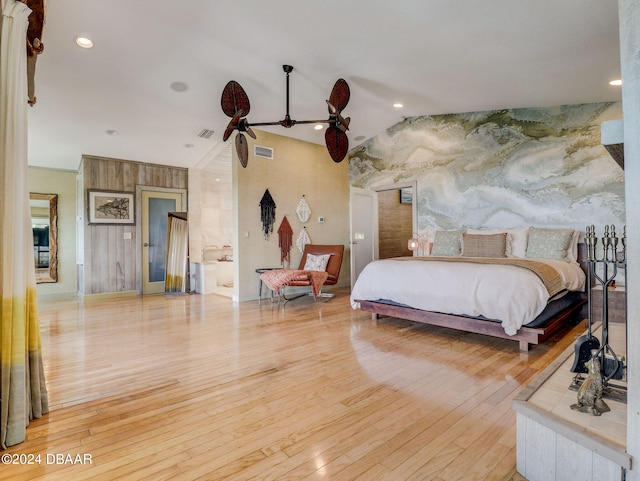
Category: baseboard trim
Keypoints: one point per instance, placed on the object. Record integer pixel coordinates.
(108, 295)
(58, 295)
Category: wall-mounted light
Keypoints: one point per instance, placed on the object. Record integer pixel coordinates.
(412, 244)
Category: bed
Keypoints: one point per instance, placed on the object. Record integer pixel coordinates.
(519, 284)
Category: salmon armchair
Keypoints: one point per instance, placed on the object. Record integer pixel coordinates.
(334, 264)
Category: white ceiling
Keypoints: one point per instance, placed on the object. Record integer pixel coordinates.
(434, 56)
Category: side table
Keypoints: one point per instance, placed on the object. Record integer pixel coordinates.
(259, 271)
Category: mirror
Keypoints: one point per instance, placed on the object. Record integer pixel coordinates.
(44, 222)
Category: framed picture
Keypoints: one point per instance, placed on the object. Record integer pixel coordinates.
(109, 207)
(406, 195)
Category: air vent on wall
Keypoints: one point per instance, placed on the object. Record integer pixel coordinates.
(264, 152)
(205, 133)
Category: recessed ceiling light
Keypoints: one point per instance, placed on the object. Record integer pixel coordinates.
(83, 42)
(318, 127)
(398, 105)
(179, 86)
(616, 82)
(112, 132)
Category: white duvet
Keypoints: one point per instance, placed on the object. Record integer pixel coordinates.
(511, 294)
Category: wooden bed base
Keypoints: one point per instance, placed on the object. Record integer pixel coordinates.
(525, 335)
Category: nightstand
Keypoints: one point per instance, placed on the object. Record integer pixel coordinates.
(617, 304)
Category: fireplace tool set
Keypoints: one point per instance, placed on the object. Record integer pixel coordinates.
(602, 267)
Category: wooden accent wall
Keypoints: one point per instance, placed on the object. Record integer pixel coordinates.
(395, 225)
(111, 263)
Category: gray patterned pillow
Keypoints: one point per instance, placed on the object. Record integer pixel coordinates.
(447, 243)
(491, 245)
(549, 243)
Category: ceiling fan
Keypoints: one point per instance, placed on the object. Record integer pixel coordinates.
(235, 104)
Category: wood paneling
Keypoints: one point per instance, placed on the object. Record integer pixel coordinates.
(112, 263)
(124, 175)
(199, 387)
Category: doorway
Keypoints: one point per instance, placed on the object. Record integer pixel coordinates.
(155, 207)
(395, 222)
(364, 228)
(368, 214)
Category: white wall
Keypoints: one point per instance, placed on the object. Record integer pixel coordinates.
(629, 14)
(63, 183)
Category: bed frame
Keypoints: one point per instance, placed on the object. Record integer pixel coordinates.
(525, 335)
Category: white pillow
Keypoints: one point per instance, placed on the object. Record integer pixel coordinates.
(519, 241)
(516, 239)
(316, 262)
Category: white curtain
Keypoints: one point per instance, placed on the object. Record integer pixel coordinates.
(177, 255)
(23, 394)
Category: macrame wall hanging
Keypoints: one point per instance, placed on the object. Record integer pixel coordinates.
(267, 213)
(285, 241)
(303, 211)
(303, 239)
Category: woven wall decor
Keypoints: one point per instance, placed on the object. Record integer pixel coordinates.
(267, 213)
(303, 211)
(285, 241)
(303, 239)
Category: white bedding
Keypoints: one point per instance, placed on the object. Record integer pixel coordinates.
(511, 294)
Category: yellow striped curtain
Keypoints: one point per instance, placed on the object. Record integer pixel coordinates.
(177, 254)
(23, 394)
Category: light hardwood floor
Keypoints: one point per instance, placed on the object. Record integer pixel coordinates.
(196, 387)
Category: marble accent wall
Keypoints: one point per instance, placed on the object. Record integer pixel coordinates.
(500, 168)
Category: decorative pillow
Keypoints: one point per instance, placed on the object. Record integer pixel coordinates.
(447, 243)
(494, 245)
(516, 239)
(572, 252)
(519, 240)
(316, 262)
(549, 243)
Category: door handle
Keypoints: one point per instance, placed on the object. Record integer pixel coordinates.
(146, 244)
